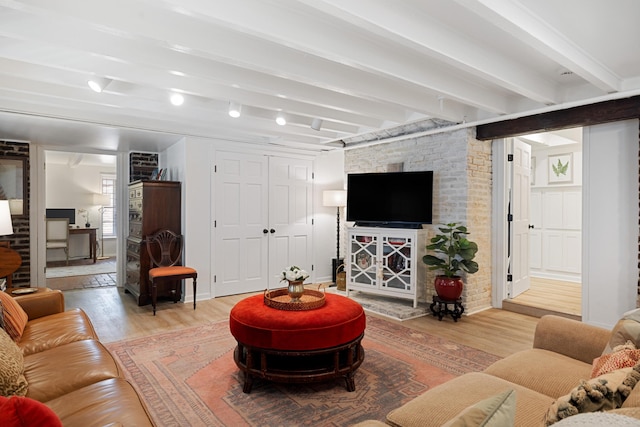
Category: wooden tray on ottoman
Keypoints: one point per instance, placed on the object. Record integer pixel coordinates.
(280, 299)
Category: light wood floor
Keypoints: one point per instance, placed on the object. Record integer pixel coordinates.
(116, 316)
(547, 296)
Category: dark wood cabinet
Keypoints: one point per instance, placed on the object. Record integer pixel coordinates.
(153, 205)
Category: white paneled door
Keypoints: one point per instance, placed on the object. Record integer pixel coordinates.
(262, 220)
(520, 191)
(290, 215)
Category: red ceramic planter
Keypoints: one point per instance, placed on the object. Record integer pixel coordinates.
(449, 288)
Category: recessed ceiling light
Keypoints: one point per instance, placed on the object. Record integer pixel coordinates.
(177, 99)
(235, 110)
(316, 124)
(281, 120)
(98, 84)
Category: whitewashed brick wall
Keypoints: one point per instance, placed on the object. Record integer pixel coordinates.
(461, 193)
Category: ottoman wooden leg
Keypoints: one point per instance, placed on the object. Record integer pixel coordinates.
(350, 382)
(248, 383)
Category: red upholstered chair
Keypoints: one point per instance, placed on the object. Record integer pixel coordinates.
(165, 251)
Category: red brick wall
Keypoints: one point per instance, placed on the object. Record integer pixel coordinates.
(19, 240)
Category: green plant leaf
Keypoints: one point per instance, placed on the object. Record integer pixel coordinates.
(453, 251)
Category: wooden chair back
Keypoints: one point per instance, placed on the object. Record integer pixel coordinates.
(164, 248)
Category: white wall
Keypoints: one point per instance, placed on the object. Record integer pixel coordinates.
(610, 221)
(74, 188)
(329, 175)
(189, 161)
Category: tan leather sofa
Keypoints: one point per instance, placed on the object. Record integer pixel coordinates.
(70, 371)
(562, 355)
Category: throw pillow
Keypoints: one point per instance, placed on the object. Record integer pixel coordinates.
(496, 411)
(603, 393)
(624, 356)
(25, 412)
(15, 318)
(599, 419)
(627, 329)
(12, 380)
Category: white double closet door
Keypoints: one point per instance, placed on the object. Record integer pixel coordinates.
(263, 220)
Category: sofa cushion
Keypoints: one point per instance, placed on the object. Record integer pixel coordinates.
(19, 411)
(56, 330)
(14, 318)
(442, 403)
(108, 402)
(61, 370)
(530, 368)
(12, 379)
(496, 411)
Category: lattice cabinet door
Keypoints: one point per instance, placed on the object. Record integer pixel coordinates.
(363, 259)
(396, 263)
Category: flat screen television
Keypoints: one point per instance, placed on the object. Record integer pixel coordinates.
(62, 213)
(393, 199)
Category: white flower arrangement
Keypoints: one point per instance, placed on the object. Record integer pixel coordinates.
(293, 274)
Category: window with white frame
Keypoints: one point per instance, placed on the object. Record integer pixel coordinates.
(108, 211)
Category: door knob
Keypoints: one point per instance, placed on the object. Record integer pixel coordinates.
(272, 231)
(265, 231)
(532, 226)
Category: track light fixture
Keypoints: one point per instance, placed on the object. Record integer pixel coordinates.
(235, 110)
(281, 120)
(177, 99)
(316, 124)
(98, 84)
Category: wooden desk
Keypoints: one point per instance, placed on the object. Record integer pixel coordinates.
(92, 239)
(10, 261)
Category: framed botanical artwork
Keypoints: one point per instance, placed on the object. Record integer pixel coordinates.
(13, 182)
(561, 169)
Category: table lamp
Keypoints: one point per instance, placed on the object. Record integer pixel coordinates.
(6, 226)
(337, 199)
(101, 200)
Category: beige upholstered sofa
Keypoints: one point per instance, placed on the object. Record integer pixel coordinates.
(562, 355)
(68, 369)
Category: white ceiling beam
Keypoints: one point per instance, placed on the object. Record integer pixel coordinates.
(522, 23)
(212, 43)
(405, 24)
(320, 102)
(364, 52)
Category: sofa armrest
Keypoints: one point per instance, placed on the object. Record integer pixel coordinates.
(571, 338)
(42, 303)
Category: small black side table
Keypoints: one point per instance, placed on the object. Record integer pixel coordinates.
(440, 307)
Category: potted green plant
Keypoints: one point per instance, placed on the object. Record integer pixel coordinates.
(454, 255)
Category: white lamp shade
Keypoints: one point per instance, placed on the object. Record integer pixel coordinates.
(6, 226)
(335, 198)
(101, 199)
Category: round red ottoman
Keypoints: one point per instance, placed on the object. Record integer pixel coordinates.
(298, 346)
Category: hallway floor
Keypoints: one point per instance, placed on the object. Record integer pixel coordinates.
(85, 281)
(547, 296)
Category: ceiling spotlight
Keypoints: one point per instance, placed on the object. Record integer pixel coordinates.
(316, 124)
(177, 99)
(98, 84)
(280, 119)
(235, 110)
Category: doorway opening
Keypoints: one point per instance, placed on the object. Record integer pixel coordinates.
(80, 189)
(554, 227)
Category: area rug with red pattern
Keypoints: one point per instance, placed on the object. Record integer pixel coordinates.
(188, 378)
